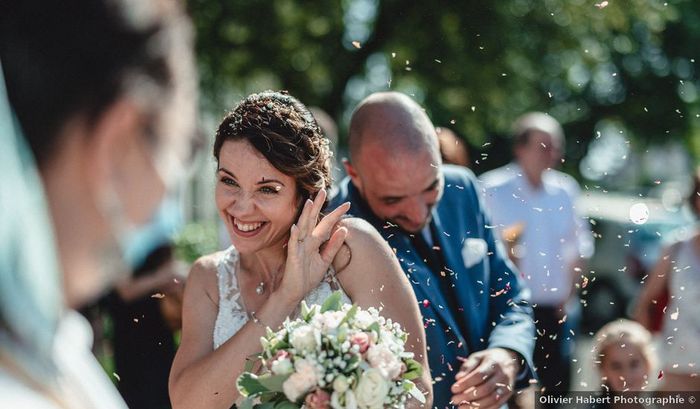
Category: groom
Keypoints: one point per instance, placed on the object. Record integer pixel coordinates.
(473, 303)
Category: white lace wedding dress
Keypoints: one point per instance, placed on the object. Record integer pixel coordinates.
(232, 314)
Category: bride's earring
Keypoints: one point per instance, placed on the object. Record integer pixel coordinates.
(260, 289)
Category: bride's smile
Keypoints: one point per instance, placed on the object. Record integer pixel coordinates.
(257, 202)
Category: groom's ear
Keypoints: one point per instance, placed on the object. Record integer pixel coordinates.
(352, 172)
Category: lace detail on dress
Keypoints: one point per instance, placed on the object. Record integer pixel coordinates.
(232, 316)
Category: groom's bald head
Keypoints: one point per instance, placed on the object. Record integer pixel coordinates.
(395, 159)
(390, 122)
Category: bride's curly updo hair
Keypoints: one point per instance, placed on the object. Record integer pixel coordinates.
(284, 131)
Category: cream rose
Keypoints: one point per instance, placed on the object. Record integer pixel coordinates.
(380, 357)
(301, 381)
(371, 390)
(364, 319)
(303, 339)
(329, 320)
(340, 384)
(281, 366)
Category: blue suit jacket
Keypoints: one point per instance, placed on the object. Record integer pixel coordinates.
(493, 302)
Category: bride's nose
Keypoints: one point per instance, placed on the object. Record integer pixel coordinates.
(242, 205)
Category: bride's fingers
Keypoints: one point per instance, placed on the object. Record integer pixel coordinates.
(334, 245)
(319, 200)
(293, 243)
(302, 223)
(326, 225)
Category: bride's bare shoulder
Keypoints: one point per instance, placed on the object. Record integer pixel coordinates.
(203, 276)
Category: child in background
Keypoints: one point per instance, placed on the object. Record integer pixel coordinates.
(624, 356)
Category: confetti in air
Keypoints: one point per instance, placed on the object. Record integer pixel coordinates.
(356, 44)
(674, 315)
(639, 213)
(602, 5)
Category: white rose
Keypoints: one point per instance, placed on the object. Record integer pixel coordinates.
(381, 358)
(340, 384)
(303, 338)
(282, 366)
(301, 381)
(371, 390)
(348, 397)
(329, 320)
(364, 319)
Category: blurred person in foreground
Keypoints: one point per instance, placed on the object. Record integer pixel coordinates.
(552, 240)
(95, 129)
(475, 312)
(272, 171)
(678, 272)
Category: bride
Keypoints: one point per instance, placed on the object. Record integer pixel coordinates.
(273, 165)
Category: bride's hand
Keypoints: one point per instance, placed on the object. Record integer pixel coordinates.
(312, 247)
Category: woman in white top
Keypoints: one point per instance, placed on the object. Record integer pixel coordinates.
(678, 270)
(271, 161)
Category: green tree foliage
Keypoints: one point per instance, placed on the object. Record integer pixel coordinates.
(475, 65)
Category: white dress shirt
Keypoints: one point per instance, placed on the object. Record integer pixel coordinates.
(553, 236)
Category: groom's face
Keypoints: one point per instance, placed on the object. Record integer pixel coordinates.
(399, 188)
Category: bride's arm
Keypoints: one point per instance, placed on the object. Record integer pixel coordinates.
(202, 377)
(372, 277)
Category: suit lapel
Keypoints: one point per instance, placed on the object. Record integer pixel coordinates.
(464, 290)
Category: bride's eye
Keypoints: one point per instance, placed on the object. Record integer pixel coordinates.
(269, 190)
(228, 181)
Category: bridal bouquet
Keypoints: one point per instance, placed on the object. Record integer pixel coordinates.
(333, 356)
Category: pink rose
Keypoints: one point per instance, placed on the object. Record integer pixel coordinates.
(281, 354)
(362, 340)
(318, 399)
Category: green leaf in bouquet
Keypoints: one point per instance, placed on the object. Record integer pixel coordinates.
(279, 344)
(247, 403)
(413, 369)
(333, 302)
(416, 393)
(249, 385)
(250, 362)
(277, 403)
(273, 383)
(305, 311)
(285, 404)
(375, 328)
(342, 333)
(352, 363)
(350, 315)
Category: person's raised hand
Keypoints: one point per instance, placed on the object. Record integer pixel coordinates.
(486, 379)
(312, 247)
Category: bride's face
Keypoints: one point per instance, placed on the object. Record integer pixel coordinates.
(257, 202)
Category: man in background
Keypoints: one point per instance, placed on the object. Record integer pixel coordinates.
(553, 242)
